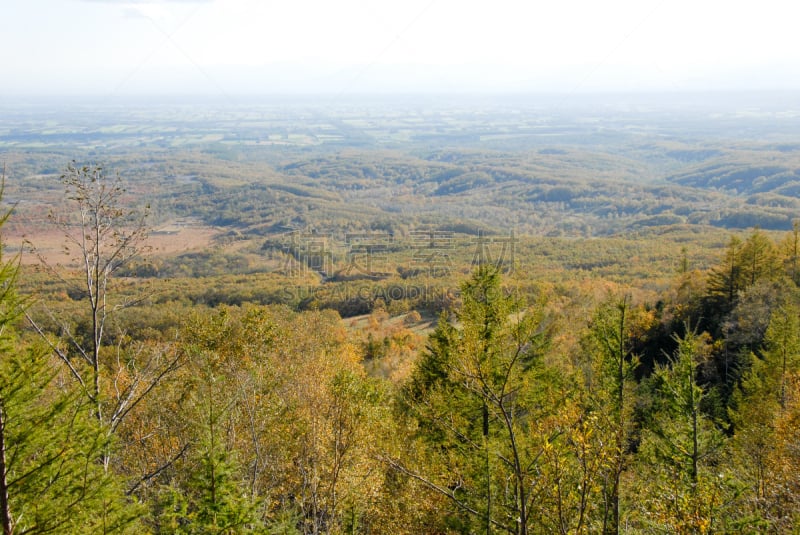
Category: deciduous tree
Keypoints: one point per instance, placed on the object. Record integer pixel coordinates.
(104, 235)
(50, 478)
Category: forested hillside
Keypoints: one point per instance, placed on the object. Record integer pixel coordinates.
(419, 322)
(483, 166)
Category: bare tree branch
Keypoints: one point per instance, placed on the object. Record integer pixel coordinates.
(444, 491)
(147, 477)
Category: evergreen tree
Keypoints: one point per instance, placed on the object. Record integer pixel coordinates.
(683, 486)
(790, 250)
(760, 404)
(50, 480)
(213, 499)
(744, 264)
(610, 386)
(495, 419)
(782, 356)
(727, 279)
(760, 258)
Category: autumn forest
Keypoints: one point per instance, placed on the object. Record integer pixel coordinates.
(401, 316)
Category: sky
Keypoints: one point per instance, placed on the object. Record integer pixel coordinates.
(227, 48)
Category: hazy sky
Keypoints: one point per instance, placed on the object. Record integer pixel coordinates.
(234, 47)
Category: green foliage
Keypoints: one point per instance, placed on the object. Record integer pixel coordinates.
(764, 396)
(610, 387)
(51, 478)
(745, 263)
(213, 498)
(213, 502)
(52, 445)
(511, 419)
(684, 488)
(278, 415)
(782, 356)
(494, 418)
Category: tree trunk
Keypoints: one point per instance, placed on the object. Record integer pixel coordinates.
(5, 509)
